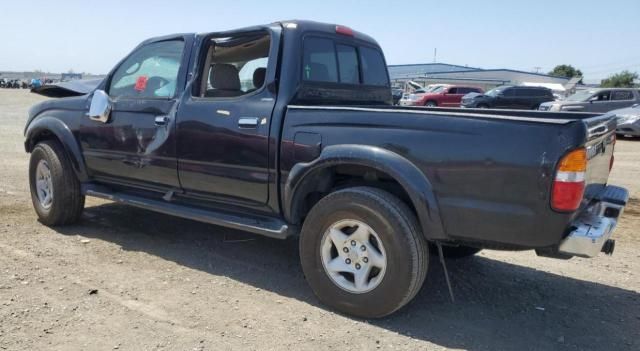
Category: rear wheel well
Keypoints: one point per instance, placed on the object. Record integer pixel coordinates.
(327, 180)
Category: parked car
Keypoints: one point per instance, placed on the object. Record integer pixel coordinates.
(320, 152)
(410, 99)
(595, 100)
(445, 96)
(628, 121)
(509, 97)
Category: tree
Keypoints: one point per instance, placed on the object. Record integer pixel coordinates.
(567, 71)
(624, 79)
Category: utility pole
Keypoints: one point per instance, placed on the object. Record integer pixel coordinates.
(435, 54)
(537, 69)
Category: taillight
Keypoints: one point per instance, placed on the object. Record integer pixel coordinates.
(613, 145)
(568, 186)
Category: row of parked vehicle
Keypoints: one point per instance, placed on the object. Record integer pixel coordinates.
(22, 84)
(624, 102)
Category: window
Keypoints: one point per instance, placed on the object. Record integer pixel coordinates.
(150, 72)
(453, 91)
(601, 96)
(509, 92)
(348, 64)
(523, 92)
(319, 61)
(374, 70)
(235, 66)
(622, 95)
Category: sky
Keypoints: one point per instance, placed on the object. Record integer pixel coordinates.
(598, 37)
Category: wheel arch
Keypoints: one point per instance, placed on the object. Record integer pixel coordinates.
(50, 128)
(318, 176)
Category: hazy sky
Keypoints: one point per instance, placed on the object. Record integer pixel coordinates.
(599, 37)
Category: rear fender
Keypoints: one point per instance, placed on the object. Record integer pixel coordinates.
(414, 182)
(44, 127)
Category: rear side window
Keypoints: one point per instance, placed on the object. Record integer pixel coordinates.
(509, 92)
(524, 92)
(622, 95)
(453, 91)
(374, 71)
(320, 60)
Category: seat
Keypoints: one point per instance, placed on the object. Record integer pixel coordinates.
(224, 80)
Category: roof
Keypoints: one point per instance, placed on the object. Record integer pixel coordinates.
(422, 69)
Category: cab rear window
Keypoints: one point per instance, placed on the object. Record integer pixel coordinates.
(324, 60)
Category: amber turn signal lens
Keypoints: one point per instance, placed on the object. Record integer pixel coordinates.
(575, 161)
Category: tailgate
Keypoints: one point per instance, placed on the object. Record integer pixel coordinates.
(600, 142)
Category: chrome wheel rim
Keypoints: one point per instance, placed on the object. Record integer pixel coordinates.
(353, 256)
(44, 184)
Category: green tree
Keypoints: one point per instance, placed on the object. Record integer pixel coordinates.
(624, 79)
(565, 71)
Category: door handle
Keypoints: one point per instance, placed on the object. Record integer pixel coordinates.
(161, 120)
(248, 122)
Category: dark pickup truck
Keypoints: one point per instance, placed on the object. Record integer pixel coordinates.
(288, 129)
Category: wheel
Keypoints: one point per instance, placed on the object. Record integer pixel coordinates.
(362, 252)
(431, 104)
(483, 106)
(55, 189)
(456, 252)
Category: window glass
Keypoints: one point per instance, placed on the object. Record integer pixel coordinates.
(622, 95)
(319, 62)
(374, 71)
(453, 91)
(602, 96)
(523, 92)
(348, 64)
(150, 72)
(509, 92)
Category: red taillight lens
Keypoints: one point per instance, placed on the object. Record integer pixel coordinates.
(344, 30)
(568, 186)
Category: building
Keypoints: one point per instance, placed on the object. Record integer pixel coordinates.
(442, 73)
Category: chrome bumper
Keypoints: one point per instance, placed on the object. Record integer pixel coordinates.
(594, 227)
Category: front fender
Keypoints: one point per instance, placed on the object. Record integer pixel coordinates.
(44, 126)
(399, 168)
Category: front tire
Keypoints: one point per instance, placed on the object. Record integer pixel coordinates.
(362, 252)
(55, 189)
(431, 104)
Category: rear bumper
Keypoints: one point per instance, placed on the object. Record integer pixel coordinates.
(592, 230)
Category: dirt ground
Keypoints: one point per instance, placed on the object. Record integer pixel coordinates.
(129, 279)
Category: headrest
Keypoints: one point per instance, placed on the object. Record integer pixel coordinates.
(258, 77)
(224, 76)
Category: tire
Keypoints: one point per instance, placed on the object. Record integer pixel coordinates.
(431, 104)
(456, 252)
(483, 106)
(66, 202)
(399, 240)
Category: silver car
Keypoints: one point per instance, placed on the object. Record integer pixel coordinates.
(628, 121)
(595, 100)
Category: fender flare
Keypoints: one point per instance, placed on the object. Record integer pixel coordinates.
(56, 127)
(410, 177)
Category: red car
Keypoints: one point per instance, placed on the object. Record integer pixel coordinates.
(446, 96)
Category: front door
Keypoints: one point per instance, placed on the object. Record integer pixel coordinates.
(137, 145)
(223, 127)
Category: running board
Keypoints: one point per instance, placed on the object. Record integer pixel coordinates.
(262, 225)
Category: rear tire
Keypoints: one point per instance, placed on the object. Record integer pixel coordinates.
(55, 189)
(395, 262)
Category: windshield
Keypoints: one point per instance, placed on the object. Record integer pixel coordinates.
(437, 90)
(581, 96)
(494, 91)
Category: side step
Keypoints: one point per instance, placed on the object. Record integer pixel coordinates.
(262, 225)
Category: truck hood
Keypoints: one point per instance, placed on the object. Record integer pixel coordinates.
(65, 89)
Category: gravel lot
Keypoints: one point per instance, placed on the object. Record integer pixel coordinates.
(128, 279)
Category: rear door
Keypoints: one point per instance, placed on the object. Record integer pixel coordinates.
(137, 145)
(223, 124)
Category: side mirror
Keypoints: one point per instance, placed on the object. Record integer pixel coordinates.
(100, 108)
